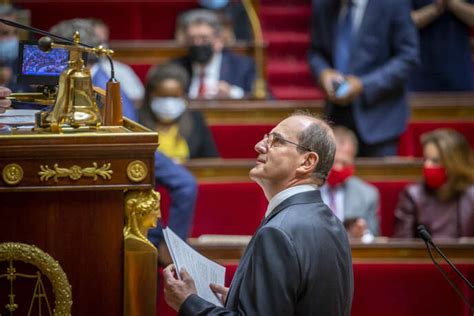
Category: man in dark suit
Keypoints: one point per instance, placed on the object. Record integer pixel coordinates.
(215, 71)
(362, 54)
(299, 260)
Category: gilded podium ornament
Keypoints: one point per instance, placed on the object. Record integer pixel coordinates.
(12, 174)
(12, 251)
(137, 171)
(75, 172)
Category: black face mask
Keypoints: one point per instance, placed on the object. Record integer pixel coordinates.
(200, 53)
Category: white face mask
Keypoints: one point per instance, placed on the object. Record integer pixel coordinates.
(168, 109)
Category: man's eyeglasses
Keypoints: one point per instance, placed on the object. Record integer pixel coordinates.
(272, 139)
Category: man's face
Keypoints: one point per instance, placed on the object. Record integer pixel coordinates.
(345, 154)
(277, 163)
(202, 34)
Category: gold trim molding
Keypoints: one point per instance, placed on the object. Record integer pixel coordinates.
(12, 173)
(75, 172)
(137, 171)
(12, 251)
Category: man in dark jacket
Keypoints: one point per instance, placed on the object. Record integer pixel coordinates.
(299, 260)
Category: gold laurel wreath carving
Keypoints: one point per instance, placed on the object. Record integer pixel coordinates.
(48, 266)
(75, 172)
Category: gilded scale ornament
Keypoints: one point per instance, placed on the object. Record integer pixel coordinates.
(12, 251)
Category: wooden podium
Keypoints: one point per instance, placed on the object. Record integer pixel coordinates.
(64, 193)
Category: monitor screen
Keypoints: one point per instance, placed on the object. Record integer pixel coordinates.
(38, 67)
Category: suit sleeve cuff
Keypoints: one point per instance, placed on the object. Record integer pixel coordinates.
(192, 305)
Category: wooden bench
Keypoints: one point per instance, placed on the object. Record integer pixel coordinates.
(238, 125)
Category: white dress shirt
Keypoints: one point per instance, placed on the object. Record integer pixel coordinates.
(212, 73)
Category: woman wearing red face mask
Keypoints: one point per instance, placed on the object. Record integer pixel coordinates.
(444, 200)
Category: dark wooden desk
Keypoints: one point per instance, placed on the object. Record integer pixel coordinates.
(64, 193)
(370, 169)
(443, 106)
(229, 249)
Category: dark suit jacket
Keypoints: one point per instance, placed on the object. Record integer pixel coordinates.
(384, 53)
(236, 70)
(297, 263)
(448, 219)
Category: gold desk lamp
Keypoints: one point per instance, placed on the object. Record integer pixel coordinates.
(75, 104)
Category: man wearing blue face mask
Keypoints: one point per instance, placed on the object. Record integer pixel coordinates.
(215, 71)
(183, 134)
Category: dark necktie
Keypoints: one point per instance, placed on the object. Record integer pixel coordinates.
(343, 41)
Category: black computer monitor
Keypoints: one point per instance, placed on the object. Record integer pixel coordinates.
(38, 67)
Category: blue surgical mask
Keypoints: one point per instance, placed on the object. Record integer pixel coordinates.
(213, 4)
(8, 49)
(168, 109)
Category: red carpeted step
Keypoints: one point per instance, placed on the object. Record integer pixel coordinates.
(290, 18)
(289, 71)
(287, 43)
(289, 92)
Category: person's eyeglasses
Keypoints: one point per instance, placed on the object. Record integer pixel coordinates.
(272, 139)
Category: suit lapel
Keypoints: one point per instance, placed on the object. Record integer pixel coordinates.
(300, 198)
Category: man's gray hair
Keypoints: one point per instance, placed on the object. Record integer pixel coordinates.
(199, 16)
(85, 27)
(319, 138)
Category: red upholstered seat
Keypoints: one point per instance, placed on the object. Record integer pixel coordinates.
(389, 193)
(238, 208)
(393, 289)
(410, 140)
(127, 19)
(228, 208)
(249, 135)
(238, 141)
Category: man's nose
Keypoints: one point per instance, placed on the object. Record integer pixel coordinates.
(261, 146)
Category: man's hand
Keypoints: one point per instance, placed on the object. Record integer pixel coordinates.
(220, 291)
(327, 79)
(223, 89)
(355, 89)
(177, 291)
(357, 228)
(4, 103)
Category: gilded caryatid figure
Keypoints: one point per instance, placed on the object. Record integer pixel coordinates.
(142, 209)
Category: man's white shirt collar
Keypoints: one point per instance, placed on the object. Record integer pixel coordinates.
(285, 194)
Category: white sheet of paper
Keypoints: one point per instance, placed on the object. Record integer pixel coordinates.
(201, 269)
(18, 117)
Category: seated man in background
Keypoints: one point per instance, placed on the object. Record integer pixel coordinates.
(354, 201)
(91, 32)
(215, 71)
(184, 134)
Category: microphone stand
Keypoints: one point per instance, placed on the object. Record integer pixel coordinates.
(425, 235)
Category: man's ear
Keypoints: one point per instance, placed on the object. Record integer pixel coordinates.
(309, 163)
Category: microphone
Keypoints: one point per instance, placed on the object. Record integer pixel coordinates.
(426, 236)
